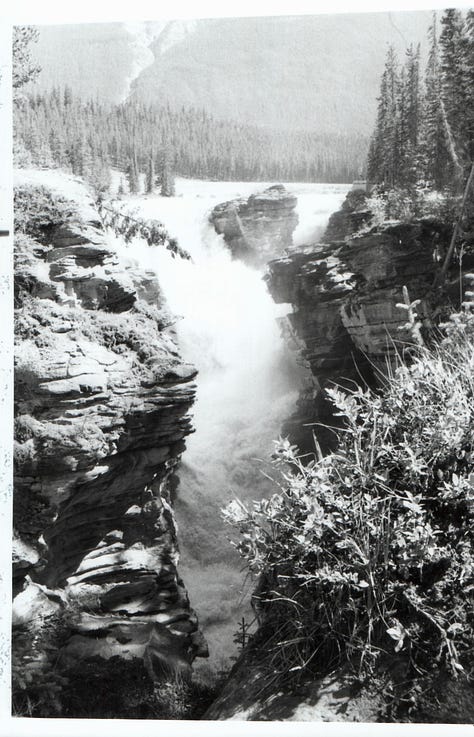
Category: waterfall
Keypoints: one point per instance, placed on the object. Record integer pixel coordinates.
(247, 386)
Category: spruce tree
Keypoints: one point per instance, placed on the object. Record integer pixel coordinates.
(202, 146)
(427, 136)
(467, 86)
(167, 188)
(132, 176)
(384, 153)
(67, 97)
(412, 115)
(402, 140)
(433, 151)
(99, 177)
(375, 164)
(24, 70)
(450, 42)
(150, 177)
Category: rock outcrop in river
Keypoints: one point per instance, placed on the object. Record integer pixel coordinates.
(259, 228)
(102, 411)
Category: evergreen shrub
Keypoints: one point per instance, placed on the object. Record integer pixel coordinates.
(38, 211)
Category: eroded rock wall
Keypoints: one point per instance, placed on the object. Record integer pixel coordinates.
(345, 293)
(259, 228)
(347, 328)
(102, 401)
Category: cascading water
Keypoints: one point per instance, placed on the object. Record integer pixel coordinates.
(247, 386)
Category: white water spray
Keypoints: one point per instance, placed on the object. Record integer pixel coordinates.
(247, 385)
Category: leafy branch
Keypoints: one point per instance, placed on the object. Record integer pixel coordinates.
(129, 227)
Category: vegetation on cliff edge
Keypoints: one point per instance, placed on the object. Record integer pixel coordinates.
(364, 556)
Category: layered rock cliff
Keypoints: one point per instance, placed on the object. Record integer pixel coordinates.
(259, 228)
(344, 291)
(102, 411)
(347, 328)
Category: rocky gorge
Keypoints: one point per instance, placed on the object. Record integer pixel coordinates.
(346, 324)
(102, 403)
(355, 297)
(103, 409)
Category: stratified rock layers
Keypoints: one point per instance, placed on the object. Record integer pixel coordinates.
(259, 228)
(102, 411)
(345, 293)
(347, 328)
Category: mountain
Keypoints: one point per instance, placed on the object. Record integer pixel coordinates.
(101, 59)
(94, 59)
(286, 72)
(302, 72)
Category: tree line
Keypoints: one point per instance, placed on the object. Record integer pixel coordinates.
(424, 131)
(151, 143)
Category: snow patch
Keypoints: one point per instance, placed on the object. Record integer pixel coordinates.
(175, 32)
(144, 33)
(67, 185)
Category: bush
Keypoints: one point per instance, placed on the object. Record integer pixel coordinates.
(406, 205)
(38, 211)
(121, 689)
(37, 684)
(366, 554)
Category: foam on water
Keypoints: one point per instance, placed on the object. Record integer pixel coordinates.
(247, 384)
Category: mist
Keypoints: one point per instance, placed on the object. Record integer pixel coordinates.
(247, 383)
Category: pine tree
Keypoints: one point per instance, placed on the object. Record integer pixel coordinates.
(166, 174)
(133, 176)
(428, 135)
(467, 85)
(412, 115)
(384, 153)
(150, 177)
(67, 97)
(450, 42)
(58, 148)
(402, 139)
(434, 154)
(99, 177)
(24, 70)
(201, 146)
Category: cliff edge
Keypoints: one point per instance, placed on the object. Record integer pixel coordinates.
(102, 401)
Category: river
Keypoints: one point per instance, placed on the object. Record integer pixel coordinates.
(247, 386)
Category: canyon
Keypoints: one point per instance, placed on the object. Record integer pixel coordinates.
(350, 292)
(118, 346)
(105, 386)
(247, 383)
(346, 323)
